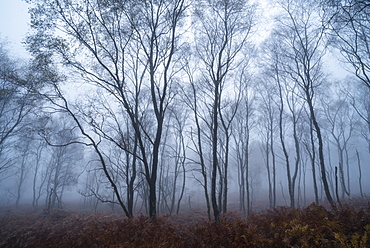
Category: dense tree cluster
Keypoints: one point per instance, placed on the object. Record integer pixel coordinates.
(148, 104)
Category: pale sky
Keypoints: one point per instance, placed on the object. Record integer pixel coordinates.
(14, 25)
(14, 21)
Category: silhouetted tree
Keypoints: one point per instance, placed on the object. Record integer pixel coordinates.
(16, 99)
(222, 29)
(107, 33)
(303, 37)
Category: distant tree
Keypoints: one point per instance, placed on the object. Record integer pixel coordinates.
(341, 124)
(222, 29)
(268, 131)
(118, 146)
(243, 127)
(16, 99)
(303, 38)
(288, 104)
(62, 170)
(230, 110)
(349, 31)
(192, 99)
(358, 96)
(23, 148)
(38, 179)
(360, 173)
(309, 142)
(349, 24)
(178, 154)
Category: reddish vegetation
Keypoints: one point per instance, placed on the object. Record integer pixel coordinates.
(314, 226)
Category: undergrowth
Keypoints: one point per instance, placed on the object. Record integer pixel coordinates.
(314, 226)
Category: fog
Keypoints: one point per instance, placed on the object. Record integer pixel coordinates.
(165, 108)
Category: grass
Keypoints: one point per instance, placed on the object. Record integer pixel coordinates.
(313, 226)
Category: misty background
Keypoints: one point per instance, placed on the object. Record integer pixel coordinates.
(163, 106)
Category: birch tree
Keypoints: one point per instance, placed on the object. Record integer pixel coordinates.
(304, 41)
(222, 30)
(98, 40)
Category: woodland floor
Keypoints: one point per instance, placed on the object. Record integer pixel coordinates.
(313, 226)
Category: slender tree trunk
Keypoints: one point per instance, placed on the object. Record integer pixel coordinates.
(56, 179)
(203, 167)
(241, 180)
(215, 164)
(297, 158)
(336, 186)
(183, 180)
(200, 153)
(173, 196)
(273, 166)
(313, 164)
(347, 166)
(249, 205)
(246, 157)
(34, 194)
(248, 191)
(225, 184)
(299, 190)
(341, 165)
(360, 174)
(304, 188)
(321, 149)
(220, 190)
(267, 154)
(131, 182)
(21, 181)
(285, 152)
